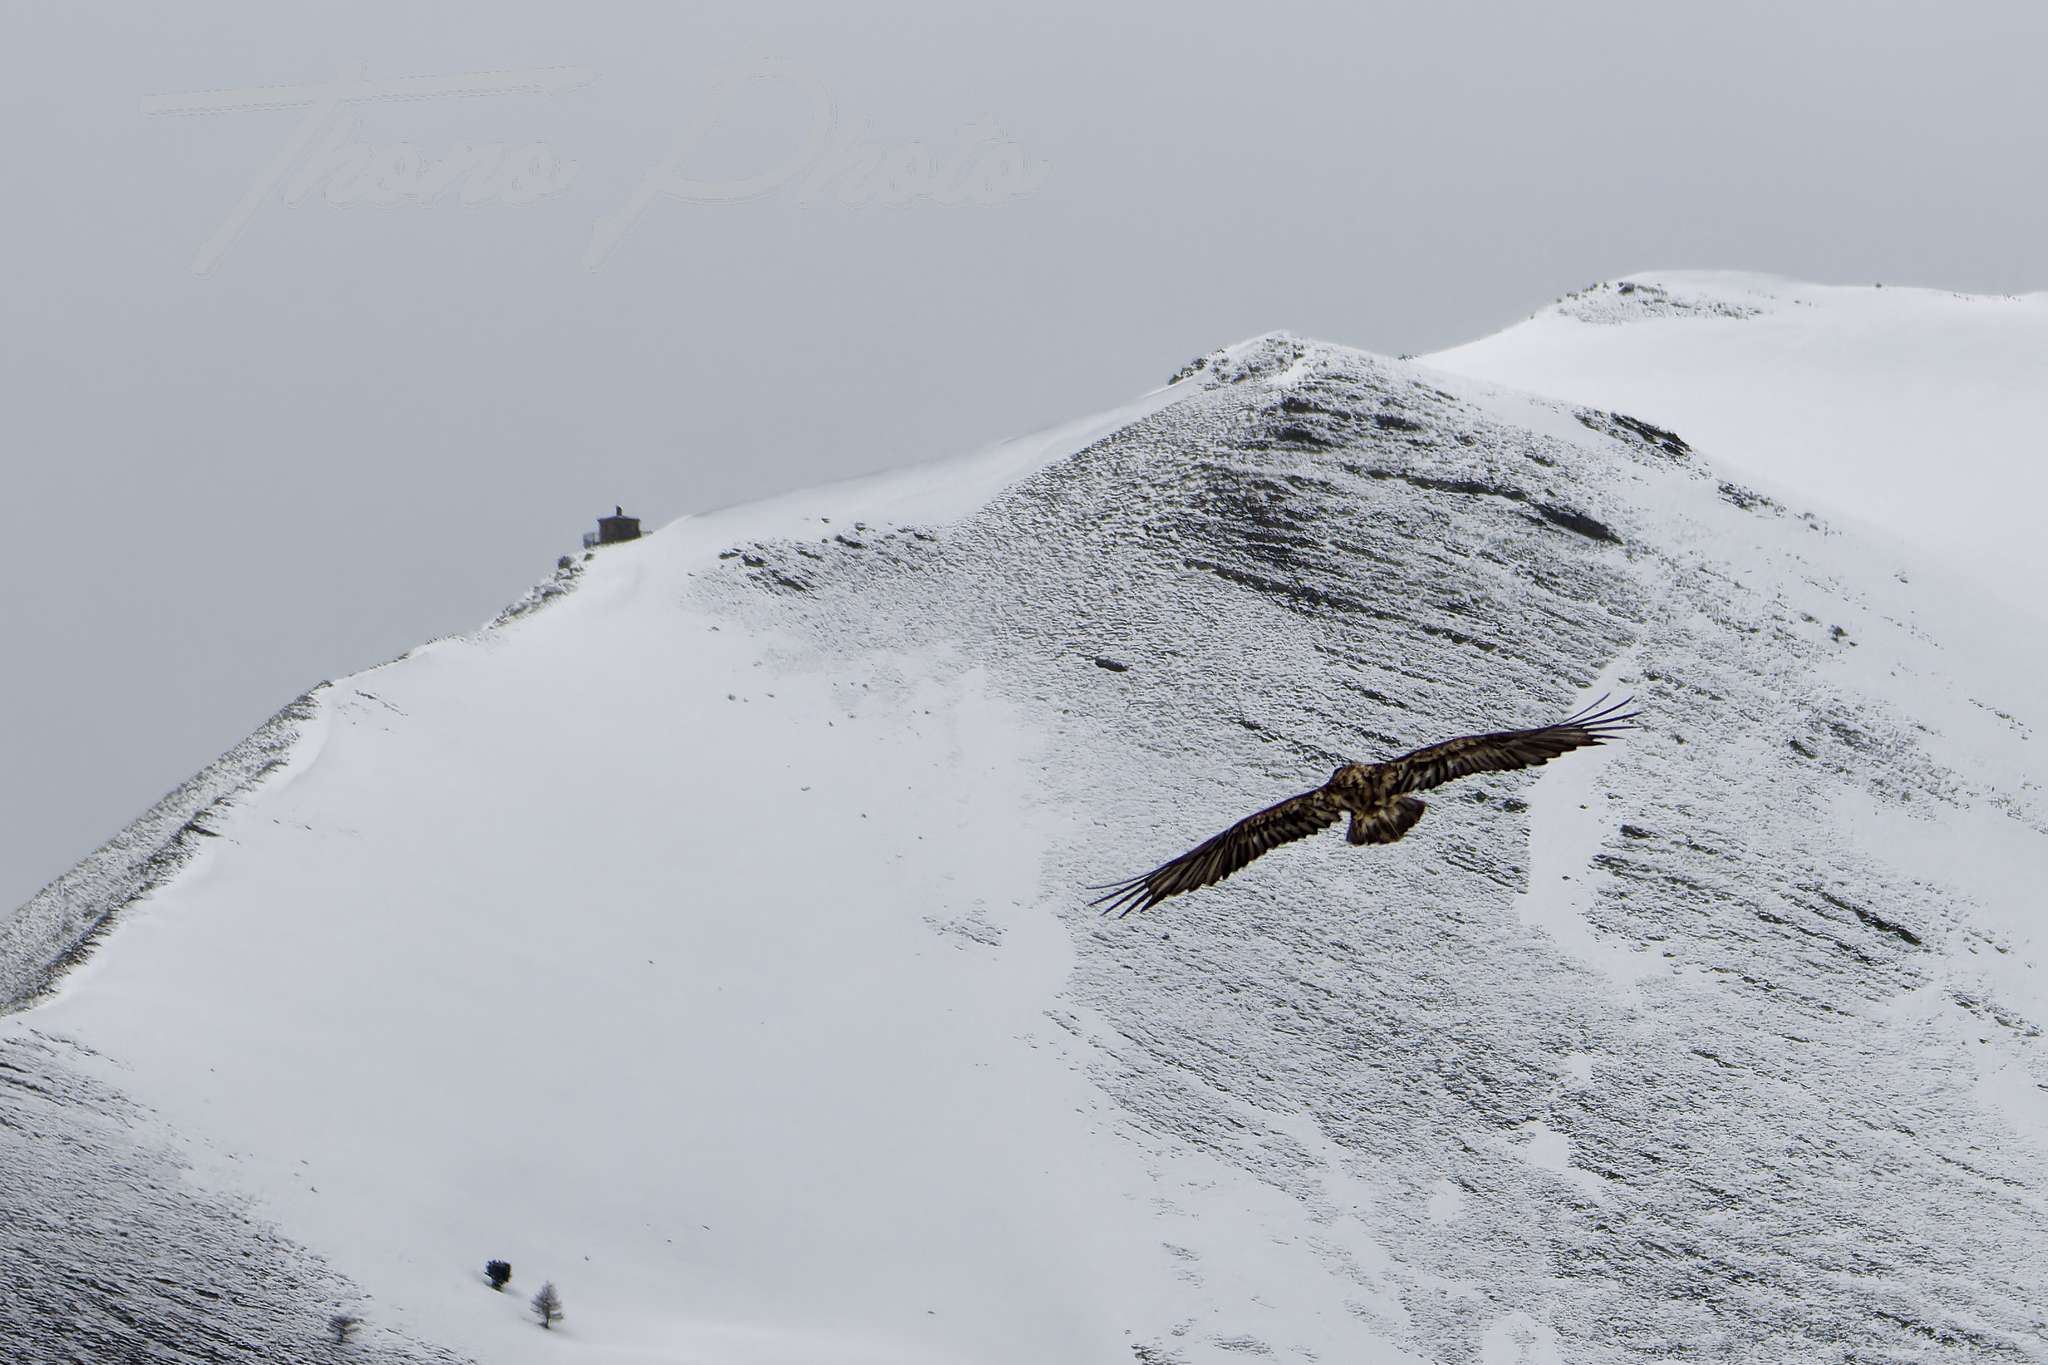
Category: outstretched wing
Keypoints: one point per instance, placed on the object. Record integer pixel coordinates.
(1295, 818)
(1505, 750)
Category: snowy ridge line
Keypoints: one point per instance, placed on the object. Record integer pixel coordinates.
(1897, 409)
(568, 570)
(55, 928)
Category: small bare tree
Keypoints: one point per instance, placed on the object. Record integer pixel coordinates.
(547, 1305)
(344, 1326)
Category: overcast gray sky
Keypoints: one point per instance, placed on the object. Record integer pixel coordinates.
(239, 462)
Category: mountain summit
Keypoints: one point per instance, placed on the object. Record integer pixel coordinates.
(706, 937)
(1917, 411)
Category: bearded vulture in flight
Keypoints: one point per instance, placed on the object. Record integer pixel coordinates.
(1374, 795)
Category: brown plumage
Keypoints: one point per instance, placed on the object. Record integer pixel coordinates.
(1374, 795)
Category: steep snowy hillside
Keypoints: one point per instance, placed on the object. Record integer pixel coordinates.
(1918, 410)
(707, 936)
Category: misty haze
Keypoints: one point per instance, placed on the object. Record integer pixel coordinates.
(596, 598)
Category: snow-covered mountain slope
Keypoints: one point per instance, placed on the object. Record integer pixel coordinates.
(707, 936)
(1917, 410)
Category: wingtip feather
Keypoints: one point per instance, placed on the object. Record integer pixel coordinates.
(1602, 717)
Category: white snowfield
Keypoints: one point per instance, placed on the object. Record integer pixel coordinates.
(708, 936)
(1918, 411)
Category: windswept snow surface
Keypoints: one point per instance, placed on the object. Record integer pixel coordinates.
(1919, 411)
(709, 938)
